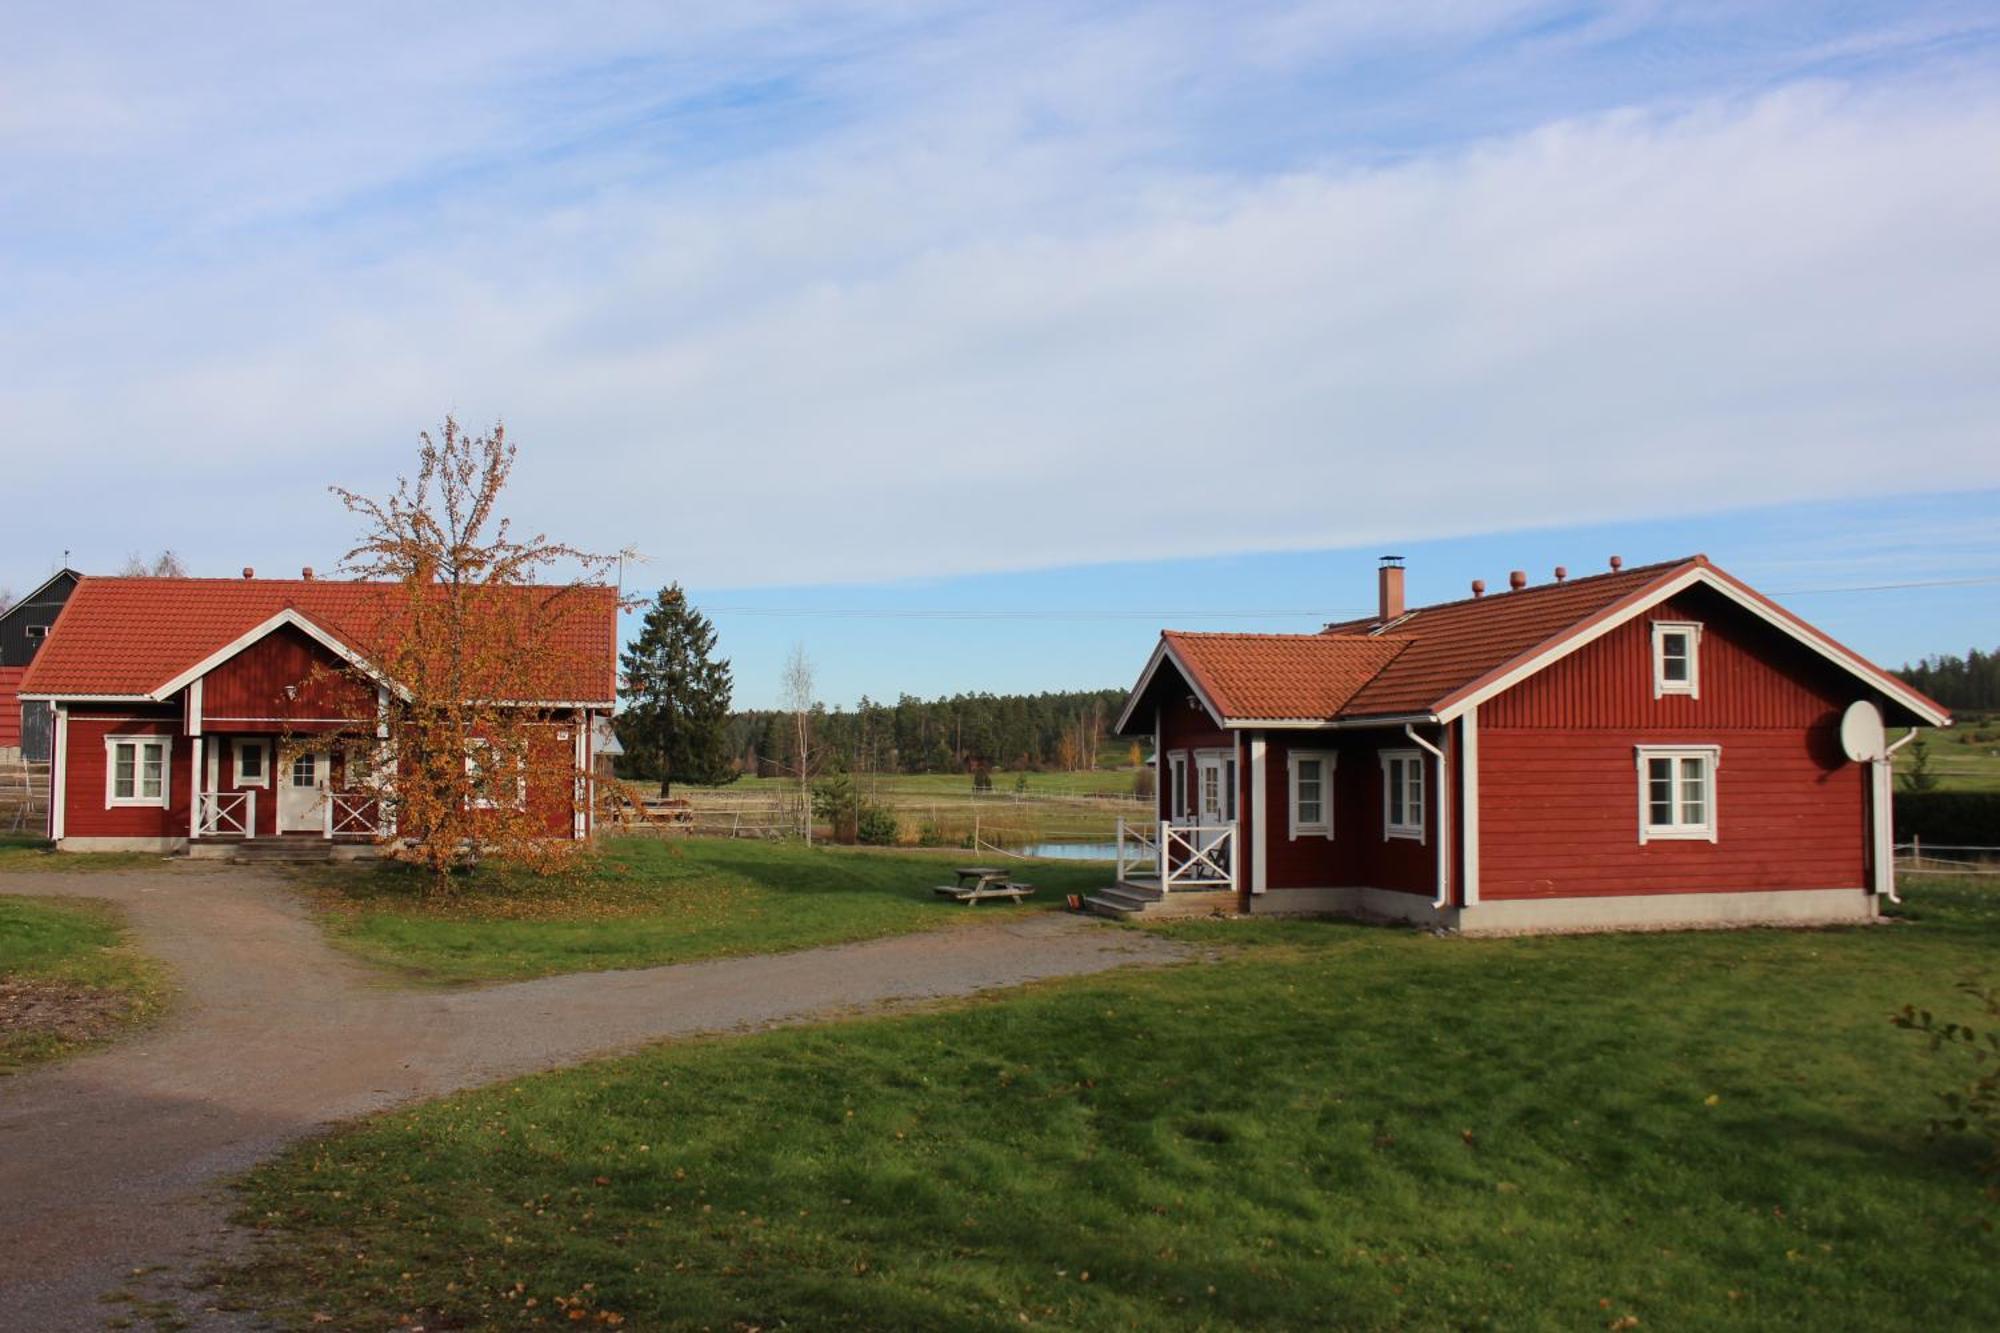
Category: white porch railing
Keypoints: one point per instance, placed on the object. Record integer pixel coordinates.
(1180, 856)
(227, 814)
(353, 814)
(1138, 849)
(1198, 856)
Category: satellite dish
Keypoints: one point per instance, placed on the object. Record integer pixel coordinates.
(1861, 733)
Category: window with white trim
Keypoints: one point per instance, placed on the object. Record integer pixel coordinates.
(305, 770)
(137, 770)
(487, 767)
(1677, 792)
(38, 631)
(1402, 794)
(1177, 788)
(1309, 781)
(253, 763)
(1676, 658)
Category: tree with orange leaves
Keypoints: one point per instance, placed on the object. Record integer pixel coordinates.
(473, 754)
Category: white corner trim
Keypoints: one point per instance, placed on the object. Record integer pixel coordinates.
(1260, 877)
(1468, 817)
(59, 775)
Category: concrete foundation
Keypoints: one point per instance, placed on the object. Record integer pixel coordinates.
(1537, 916)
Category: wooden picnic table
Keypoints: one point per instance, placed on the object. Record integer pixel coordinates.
(977, 882)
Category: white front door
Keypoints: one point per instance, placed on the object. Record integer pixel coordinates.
(302, 793)
(1214, 804)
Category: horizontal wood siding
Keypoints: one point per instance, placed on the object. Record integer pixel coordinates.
(249, 689)
(85, 814)
(1357, 854)
(1559, 785)
(10, 706)
(1751, 676)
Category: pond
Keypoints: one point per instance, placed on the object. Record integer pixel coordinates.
(1069, 851)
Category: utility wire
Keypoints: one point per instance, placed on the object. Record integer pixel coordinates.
(1283, 613)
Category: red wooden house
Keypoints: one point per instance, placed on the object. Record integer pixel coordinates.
(172, 698)
(1654, 746)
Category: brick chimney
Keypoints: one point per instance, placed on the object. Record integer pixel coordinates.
(1389, 584)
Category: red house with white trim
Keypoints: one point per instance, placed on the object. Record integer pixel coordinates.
(171, 698)
(1655, 746)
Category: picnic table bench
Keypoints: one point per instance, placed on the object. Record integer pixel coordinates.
(976, 883)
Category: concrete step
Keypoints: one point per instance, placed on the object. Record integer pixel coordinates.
(288, 850)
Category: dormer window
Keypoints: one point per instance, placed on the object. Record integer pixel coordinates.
(1676, 658)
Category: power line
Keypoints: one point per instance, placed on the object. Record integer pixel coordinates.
(1320, 614)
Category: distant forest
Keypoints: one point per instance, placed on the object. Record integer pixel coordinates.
(966, 732)
(1972, 681)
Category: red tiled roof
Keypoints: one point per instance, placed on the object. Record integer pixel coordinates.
(1290, 677)
(130, 636)
(1413, 665)
(1454, 644)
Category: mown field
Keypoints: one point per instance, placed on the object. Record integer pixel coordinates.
(1963, 757)
(1334, 1126)
(647, 902)
(68, 979)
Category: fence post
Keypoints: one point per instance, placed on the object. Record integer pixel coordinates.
(1916, 852)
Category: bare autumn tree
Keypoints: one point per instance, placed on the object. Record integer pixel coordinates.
(166, 565)
(798, 691)
(466, 757)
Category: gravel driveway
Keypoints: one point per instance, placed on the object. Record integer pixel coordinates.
(110, 1162)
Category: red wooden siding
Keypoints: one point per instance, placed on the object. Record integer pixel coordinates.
(1357, 855)
(10, 706)
(85, 814)
(1751, 676)
(247, 692)
(1559, 787)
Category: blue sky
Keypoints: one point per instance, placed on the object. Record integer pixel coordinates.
(1041, 308)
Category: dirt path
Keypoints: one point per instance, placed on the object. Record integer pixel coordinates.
(111, 1162)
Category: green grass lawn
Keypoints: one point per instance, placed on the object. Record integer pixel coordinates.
(649, 902)
(24, 853)
(68, 979)
(1337, 1126)
(1963, 757)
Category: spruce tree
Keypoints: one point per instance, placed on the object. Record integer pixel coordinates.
(677, 695)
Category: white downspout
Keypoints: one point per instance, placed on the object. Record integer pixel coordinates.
(1443, 803)
(1885, 828)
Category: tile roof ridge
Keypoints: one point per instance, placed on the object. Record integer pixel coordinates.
(1348, 628)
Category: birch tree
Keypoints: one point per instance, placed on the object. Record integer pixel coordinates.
(797, 684)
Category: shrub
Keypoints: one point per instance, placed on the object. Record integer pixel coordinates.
(930, 835)
(835, 803)
(1949, 818)
(1142, 783)
(876, 826)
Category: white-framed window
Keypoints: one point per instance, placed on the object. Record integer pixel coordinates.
(1402, 794)
(1177, 786)
(1309, 782)
(1676, 658)
(305, 769)
(486, 766)
(1677, 791)
(138, 770)
(1215, 786)
(253, 763)
(38, 631)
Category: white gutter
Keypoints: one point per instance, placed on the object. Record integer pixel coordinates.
(1885, 829)
(1443, 803)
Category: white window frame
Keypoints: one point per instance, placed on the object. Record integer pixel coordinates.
(1661, 685)
(236, 749)
(112, 800)
(473, 766)
(292, 768)
(1414, 776)
(1329, 762)
(36, 631)
(1177, 786)
(1707, 830)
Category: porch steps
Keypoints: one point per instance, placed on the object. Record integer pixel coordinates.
(281, 851)
(1132, 897)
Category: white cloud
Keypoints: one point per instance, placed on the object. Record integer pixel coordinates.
(937, 295)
